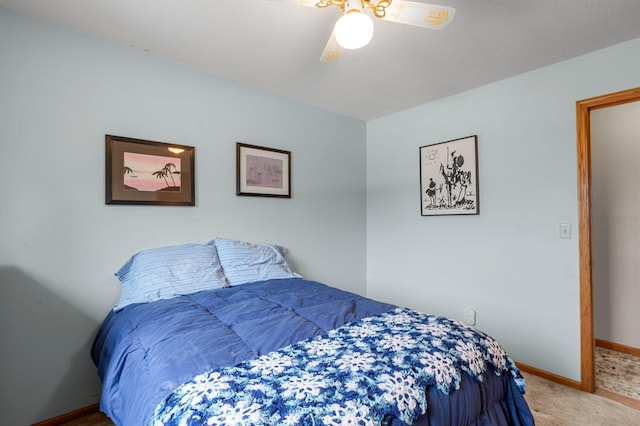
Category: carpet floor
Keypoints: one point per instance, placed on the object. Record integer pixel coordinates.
(553, 404)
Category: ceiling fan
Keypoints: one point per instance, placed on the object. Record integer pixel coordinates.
(355, 29)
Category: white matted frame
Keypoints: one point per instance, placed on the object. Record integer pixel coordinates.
(263, 172)
(449, 178)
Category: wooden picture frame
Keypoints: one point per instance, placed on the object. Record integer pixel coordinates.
(262, 172)
(149, 173)
(449, 178)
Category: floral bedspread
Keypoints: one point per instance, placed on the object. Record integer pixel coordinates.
(361, 373)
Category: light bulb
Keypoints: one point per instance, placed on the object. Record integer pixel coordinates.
(354, 30)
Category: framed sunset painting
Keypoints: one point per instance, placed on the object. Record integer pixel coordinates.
(147, 172)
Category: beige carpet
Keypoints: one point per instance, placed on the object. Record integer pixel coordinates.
(553, 404)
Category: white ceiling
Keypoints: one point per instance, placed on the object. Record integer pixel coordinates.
(275, 46)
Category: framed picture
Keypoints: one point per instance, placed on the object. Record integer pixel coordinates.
(146, 172)
(263, 172)
(449, 177)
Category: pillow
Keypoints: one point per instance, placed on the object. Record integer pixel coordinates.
(166, 272)
(245, 262)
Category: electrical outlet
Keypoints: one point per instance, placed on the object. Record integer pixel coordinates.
(469, 316)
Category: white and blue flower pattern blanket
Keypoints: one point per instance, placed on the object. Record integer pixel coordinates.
(360, 374)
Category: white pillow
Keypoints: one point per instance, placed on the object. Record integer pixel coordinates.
(166, 272)
(246, 262)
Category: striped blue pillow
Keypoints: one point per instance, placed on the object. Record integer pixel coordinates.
(245, 262)
(166, 272)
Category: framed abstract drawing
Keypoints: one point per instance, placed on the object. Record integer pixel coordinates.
(449, 178)
(147, 172)
(263, 172)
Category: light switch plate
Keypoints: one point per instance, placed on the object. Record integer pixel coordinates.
(565, 231)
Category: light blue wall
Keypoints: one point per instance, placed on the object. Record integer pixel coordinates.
(60, 93)
(509, 262)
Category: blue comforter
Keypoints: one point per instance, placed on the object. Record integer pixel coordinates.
(146, 351)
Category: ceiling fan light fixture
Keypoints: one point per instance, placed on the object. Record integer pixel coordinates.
(354, 30)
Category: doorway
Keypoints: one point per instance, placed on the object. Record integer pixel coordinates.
(583, 118)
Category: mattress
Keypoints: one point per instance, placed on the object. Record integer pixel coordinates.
(148, 354)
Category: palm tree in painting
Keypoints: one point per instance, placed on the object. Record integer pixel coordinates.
(171, 169)
(162, 174)
(129, 171)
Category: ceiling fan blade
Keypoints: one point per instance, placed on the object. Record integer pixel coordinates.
(419, 14)
(332, 50)
(311, 3)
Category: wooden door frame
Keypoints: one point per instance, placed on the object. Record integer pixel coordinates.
(583, 120)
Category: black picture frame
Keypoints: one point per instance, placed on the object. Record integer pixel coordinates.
(449, 178)
(143, 172)
(262, 171)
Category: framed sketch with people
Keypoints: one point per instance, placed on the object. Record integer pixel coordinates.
(449, 177)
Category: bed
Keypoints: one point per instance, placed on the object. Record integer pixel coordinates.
(263, 346)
